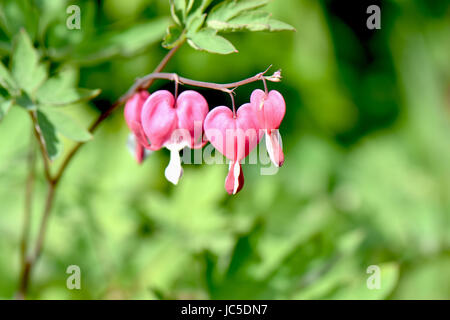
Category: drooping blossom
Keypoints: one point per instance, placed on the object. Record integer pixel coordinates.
(132, 113)
(235, 137)
(174, 124)
(270, 110)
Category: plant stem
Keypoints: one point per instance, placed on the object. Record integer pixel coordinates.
(30, 261)
(125, 97)
(41, 142)
(31, 159)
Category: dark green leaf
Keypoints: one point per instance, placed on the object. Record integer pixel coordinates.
(65, 125)
(206, 39)
(52, 143)
(25, 101)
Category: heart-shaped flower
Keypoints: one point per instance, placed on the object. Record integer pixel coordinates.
(270, 110)
(132, 113)
(235, 137)
(174, 125)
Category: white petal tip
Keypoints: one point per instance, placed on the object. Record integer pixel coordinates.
(174, 171)
(173, 174)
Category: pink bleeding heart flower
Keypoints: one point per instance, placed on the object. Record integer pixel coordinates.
(235, 137)
(270, 110)
(174, 125)
(132, 113)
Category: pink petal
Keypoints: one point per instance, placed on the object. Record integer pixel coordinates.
(270, 109)
(132, 113)
(139, 153)
(159, 118)
(191, 110)
(138, 132)
(233, 137)
(133, 108)
(249, 132)
(218, 122)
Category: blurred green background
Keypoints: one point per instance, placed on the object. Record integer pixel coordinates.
(366, 179)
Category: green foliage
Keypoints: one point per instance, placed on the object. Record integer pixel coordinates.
(232, 16)
(27, 86)
(207, 39)
(226, 16)
(48, 130)
(65, 124)
(56, 92)
(26, 67)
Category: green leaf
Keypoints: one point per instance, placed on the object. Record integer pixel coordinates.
(5, 105)
(277, 25)
(206, 39)
(52, 143)
(173, 37)
(55, 91)
(229, 9)
(194, 23)
(7, 81)
(178, 11)
(26, 69)
(66, 125)
(250, 21)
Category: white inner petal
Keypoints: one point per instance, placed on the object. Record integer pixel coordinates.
(131, 143)
(174, 171)
(131, 146)
(236, 173)
(269, 146)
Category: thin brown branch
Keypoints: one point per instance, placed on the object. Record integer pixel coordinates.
(31, 260)
(31, 159)
(42, 148)
(145, 82)
(125, 97)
